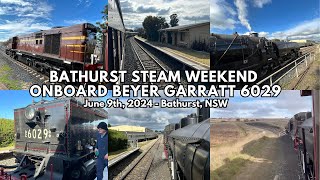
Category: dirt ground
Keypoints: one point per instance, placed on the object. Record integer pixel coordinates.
(252, 150)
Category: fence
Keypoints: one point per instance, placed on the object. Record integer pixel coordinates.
(274, 77)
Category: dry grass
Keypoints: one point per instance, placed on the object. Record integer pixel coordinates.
(228, 140)
(225, 133)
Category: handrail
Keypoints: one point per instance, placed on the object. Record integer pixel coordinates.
(304, 57)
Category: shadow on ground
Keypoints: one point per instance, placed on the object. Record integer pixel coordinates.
(269, 157)
(229, 169)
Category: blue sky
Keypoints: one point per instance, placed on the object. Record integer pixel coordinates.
(11, 99)
(271, 18)
(25, 16)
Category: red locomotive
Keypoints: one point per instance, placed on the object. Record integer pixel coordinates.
(59, 48)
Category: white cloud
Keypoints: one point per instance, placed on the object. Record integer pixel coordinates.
(285, 105)
(305, 30)
(35, 9)
(75, 21)
(243, 13)
(263, 34)
(25, 16)
(153, 118)
(16, 2)
(222, 15)
(261, 3)
(20, 26)
(260, 34)
(85, 3)
(134, 11)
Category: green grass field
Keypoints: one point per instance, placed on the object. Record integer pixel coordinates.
(5, 73)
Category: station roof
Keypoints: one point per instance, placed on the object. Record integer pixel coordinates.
(184, 27)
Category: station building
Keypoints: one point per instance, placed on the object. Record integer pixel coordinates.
(186, 35)
(128, 128)
(303, 42)
(135, 134)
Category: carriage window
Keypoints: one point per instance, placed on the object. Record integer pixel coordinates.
(37, 42)
(40, 41)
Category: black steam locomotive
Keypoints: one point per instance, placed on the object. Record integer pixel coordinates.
(55, 140)
(300, 127)
(250, 52)
(188, 147)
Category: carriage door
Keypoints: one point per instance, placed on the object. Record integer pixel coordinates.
(14, 42)
(52, 44)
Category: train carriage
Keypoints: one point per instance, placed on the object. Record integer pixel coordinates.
(59, 48)
(116, 37)
(187, 146)
(190, 151)
(300, 128)
(304, 143)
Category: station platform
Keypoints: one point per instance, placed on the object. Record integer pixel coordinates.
(121, 156)
(187, 61)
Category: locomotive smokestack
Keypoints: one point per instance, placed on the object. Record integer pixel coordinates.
(190, 119)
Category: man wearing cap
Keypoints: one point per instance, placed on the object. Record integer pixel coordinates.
(102, 151)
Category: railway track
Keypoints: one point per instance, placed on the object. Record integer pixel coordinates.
(139, 167)
(28, 70)
(146, 59)
(306, 50)
(149, 62)
(269, 127)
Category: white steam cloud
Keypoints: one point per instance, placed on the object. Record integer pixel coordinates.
(243, 13)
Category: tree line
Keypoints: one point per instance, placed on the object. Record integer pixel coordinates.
(151, 25)
(6, 132)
